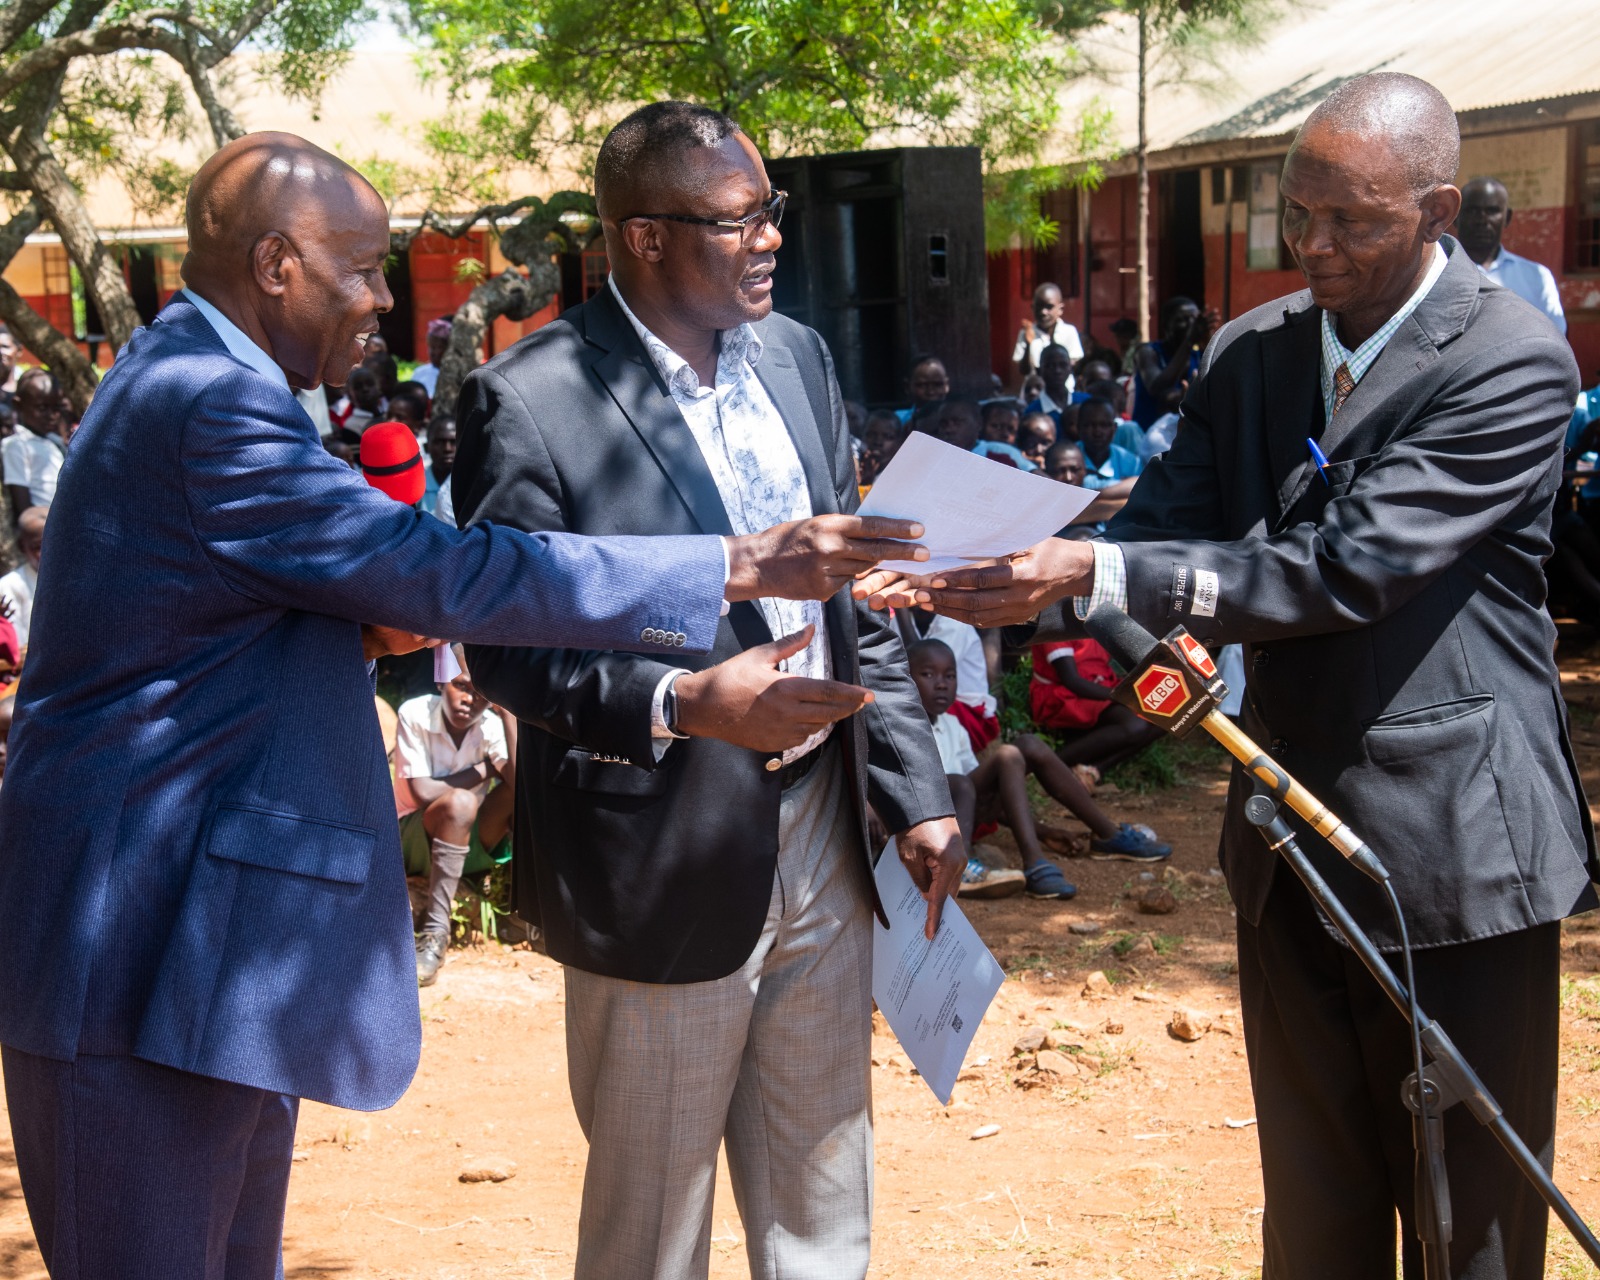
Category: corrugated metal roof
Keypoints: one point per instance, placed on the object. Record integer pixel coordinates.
(1478, 54)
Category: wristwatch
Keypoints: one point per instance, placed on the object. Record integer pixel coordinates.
(669, 710)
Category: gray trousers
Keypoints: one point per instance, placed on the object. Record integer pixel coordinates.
(774, 1059)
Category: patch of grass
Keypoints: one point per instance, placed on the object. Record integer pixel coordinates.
(1033, 961)
(1166, 944)
(1581, 998)
(1167, 763)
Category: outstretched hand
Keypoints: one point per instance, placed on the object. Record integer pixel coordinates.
(747, 701)
(992, 595)
(812, 559)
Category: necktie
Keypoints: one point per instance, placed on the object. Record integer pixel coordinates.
(1343, 385)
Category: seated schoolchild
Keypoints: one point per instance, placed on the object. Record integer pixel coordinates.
(996, 788)
(1130, 435)
(1055, 368)
(1035, 435)
(1071, 694)
(1107, 461)
(1000, 420)
(454, 776)
(880, 439)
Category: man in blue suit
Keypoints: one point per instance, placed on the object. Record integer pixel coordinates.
(207, 917)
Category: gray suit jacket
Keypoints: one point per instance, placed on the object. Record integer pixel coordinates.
(1399, 656)
(633, 869)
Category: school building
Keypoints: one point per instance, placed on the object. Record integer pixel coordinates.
(1526, 86)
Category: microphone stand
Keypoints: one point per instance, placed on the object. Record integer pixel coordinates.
(1446, 1077)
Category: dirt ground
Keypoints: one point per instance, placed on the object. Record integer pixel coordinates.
(1138, 1161)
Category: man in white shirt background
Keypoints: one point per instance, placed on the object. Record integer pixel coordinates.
(1485, 215)
(450, 747)
(17, 587)
(32, 456)
(1046, 328)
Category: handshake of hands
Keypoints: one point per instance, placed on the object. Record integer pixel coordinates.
(749, 702)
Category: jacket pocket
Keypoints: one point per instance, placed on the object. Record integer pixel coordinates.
(585, 771)
(1421, 739)
(288, 842)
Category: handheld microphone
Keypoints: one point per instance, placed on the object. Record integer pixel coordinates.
(391, 462)
(1174, 683)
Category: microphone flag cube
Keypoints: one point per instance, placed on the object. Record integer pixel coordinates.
(1175, 686)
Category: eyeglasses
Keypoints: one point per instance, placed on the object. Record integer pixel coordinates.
(749, 227)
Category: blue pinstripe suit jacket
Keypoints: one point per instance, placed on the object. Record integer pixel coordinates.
(199, 862)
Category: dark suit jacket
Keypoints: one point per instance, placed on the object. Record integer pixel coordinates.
(660, 873)
(201, 861)
(1399, 655)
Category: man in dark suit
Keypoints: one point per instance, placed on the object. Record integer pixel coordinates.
(206, 914)
(711, 900)
(1400, 664)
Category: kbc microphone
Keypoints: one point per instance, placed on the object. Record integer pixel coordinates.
(1174, 683)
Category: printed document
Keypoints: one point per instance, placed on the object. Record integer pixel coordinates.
(934, 994)
(971, 507)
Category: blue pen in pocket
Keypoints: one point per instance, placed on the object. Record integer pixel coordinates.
(1320, 458)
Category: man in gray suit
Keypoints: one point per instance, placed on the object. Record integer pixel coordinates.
(711, 900)
(1399, 663)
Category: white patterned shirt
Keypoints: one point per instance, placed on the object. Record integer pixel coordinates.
(755, 466)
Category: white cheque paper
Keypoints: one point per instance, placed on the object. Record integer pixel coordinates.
(971, 507)
(934, 994)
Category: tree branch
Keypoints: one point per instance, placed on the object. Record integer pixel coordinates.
(225, 126)
(20, 16)
(138, 32)
(16, 232)
(400, 241)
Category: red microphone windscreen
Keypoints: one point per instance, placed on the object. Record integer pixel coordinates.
(391, 461)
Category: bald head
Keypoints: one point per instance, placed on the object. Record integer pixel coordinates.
(1367, 191)
(289, 242)
(1406, 115)
(260, 183)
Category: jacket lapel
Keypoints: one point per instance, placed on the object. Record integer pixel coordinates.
(630, 376)
(1439, 317)
(779, 374)
(1291, 364)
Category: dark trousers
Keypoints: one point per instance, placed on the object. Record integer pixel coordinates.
(1328, 1053)
(133, 1171)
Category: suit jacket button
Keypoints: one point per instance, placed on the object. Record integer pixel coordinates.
(646, 635)
(680, 640)
(1280, 747)
(1262, 657)
(774, 764)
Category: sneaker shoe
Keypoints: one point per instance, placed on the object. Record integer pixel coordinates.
(1044, 880)
(980, 881)
(1130, 845)
(430, 957)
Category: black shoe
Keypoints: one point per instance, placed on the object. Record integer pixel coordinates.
(430, 956)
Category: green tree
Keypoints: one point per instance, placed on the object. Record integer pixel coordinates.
(90, 88)
(1183, 42)
(544, 80)
(800, 76)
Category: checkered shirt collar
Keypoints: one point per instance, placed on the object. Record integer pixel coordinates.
(740, 344)
(1334, 352)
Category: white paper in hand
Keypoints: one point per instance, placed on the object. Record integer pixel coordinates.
(971, 507)
(934, 994)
